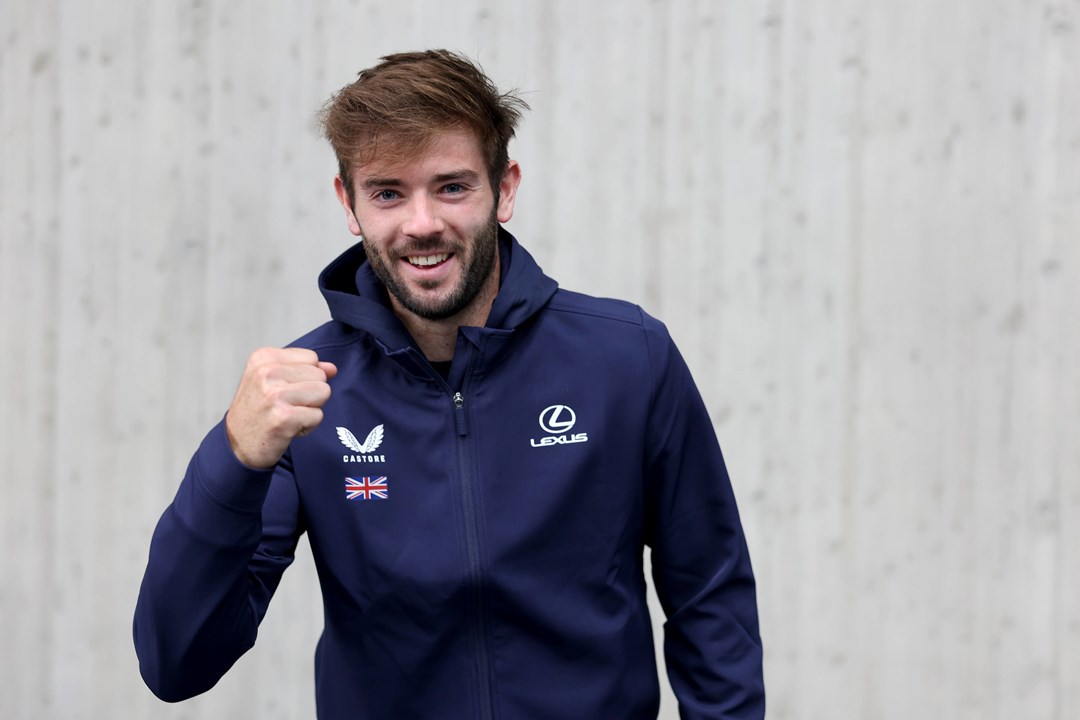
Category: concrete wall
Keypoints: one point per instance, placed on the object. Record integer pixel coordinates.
(861, 221)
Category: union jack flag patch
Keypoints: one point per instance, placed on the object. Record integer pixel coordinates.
(366, 488)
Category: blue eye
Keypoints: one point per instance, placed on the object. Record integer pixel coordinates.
(454, 188)
(386, 195)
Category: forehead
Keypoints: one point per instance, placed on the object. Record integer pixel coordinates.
(399, 157)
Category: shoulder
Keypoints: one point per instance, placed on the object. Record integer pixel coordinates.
(619, 334)
(329, 335)
(603, 310)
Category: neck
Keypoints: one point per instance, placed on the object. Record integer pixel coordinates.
(437, 338)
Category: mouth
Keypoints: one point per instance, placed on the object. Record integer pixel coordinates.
(427, 261)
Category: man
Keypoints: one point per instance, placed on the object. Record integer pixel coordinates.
(478, 457)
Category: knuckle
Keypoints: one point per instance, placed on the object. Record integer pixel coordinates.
(303, 355)
(280, 415)
(320, 392)
(278, 396)
(260, 359)
(260, 356)
(264, 373)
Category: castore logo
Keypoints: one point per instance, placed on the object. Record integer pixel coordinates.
(364, 449)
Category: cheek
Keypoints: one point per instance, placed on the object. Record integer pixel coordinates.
(371, 232)
(381, 223)
(374, 248)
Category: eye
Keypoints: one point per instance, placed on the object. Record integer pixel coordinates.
(386, 195)
(453, 188)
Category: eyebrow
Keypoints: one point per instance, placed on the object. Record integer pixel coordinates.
(464, 174)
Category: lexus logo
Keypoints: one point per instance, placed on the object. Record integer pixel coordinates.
(557, 419)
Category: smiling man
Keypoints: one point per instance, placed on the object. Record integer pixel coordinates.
(432, 234)
(480, 551)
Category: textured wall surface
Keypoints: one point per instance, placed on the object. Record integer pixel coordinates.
(860, 220)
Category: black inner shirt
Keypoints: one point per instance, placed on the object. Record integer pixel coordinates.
(443, 368)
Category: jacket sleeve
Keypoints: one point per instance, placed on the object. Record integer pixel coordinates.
(216, 558)
(701, 567)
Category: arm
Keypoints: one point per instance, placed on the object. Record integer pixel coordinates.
(220, 548)
(216, 558)
(701, 566)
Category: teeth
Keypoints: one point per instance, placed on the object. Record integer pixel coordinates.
(427, 260)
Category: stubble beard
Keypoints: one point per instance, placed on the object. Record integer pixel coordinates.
(476, 271)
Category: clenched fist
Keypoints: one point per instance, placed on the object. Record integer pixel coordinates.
(280, 397)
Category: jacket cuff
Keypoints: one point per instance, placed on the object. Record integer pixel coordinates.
(229, 482)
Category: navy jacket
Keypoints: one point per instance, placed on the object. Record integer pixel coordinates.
(479, 541)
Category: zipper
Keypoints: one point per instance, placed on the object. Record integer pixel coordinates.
(460, 421)
(472, 548)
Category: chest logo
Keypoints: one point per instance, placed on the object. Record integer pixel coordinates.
(366, 488)
(364, 449)
(558, 421)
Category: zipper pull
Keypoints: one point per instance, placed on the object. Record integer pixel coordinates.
(459, 414)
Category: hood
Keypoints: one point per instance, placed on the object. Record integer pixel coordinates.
(357, 298)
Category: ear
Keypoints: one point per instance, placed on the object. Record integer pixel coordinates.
(508, 191)
(346, 202)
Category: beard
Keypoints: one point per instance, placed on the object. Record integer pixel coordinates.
(477, 264)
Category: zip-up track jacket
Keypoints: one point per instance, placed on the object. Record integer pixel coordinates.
(479, 540)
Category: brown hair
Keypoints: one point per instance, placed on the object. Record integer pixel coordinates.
(396, 108)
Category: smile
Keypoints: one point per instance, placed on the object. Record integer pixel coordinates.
(427, 260)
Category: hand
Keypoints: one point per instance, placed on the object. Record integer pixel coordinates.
(280, 398)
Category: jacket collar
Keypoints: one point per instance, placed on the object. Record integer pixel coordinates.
(357, 298)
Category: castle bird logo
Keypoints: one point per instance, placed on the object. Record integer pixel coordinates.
(370, 444)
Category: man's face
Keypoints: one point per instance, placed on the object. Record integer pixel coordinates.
(430, 225)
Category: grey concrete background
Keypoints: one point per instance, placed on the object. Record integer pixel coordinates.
(861, 221)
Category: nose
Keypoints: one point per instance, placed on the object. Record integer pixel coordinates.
(424, 219)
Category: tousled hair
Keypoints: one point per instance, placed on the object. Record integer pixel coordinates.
(397, 108)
